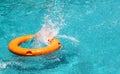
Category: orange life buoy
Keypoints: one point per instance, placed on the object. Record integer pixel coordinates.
(15, 48)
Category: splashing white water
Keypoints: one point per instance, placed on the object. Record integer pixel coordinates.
(69, 38)
(47, 32)
(53, 23)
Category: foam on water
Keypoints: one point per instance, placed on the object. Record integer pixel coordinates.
(3, 65)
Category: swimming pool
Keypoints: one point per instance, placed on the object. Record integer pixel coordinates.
(90, 31)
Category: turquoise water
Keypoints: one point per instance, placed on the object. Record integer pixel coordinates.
(94, 23)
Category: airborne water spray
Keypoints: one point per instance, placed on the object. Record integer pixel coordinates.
(54, 21)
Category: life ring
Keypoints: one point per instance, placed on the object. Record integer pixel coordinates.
(15, 48)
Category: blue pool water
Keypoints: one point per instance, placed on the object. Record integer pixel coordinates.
(90, 31)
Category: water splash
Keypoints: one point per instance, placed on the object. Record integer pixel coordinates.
(54, 21)
(46, 33)
(50, 30)
(69, 38)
